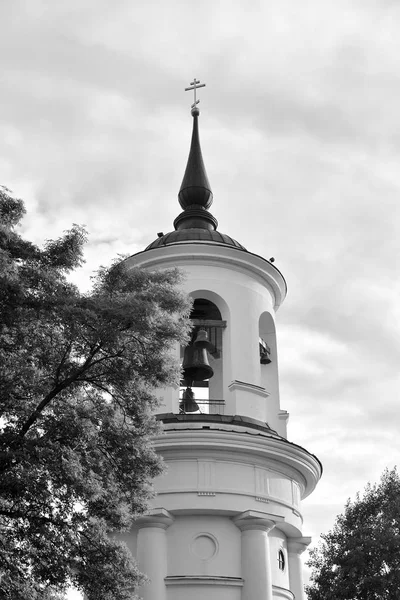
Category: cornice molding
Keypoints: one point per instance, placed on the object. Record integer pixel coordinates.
(248, 387)
(203, 254)
(186, 442)
(157, 517)
(280, 592)
(203, 580)
(298, 545)
(253, 520)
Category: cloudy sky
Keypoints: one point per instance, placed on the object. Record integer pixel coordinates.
(300, 132)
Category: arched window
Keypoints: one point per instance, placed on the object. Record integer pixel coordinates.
(281, 560)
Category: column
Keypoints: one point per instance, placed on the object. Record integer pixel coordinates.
(296, 547)
(256, 559)
(152, 553)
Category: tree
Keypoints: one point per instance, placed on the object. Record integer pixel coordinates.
(77, 374)
(360, 558)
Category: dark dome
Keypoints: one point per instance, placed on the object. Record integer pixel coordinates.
(195, 235)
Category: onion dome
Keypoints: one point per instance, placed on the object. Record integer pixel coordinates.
(195, 223)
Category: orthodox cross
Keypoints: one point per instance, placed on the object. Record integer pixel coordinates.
(193, 86)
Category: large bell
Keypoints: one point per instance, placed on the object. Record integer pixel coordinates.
(195, 365)
(188, 404)
(201, 340)
(195, 360)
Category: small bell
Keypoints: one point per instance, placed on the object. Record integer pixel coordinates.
(188, 404)
(265, 355)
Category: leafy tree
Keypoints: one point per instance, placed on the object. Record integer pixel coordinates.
(360, 558)
(77, 374)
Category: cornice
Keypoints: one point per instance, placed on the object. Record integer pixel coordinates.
(203, 580)
(204, 253)
(186, 443)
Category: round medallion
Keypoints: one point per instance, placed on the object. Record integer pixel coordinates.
(204, 546)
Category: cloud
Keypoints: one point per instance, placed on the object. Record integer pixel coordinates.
(299, 127)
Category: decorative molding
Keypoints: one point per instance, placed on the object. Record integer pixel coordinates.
(261, 479)
(207, 553)
(203, 580)
(298, 545)
(210, 253)
(283, 415)
(185, 442)
(243, 386)
(261, 499)
(157, 517)
(295, 494)
(205, 475)
(253, 519)
(206, 493)
(280, 592)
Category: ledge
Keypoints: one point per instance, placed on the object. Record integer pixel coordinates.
(248, 387)
(280, 592)
(222, 419)
(194, 435)
(205, 252)
(203, 580)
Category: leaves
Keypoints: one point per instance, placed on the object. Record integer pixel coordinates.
(76, 398)
(360, 558)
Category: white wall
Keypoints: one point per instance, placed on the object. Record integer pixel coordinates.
(203, 545)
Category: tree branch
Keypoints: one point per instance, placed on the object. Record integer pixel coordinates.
(89, 363)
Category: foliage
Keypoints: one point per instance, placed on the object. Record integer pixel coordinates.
(360, 558)
(76, 393)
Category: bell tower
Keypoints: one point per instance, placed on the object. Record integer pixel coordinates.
(226, 522)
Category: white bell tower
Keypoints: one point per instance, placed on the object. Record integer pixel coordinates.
(226, 523)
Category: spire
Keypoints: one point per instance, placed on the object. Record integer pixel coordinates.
(195, 195)
(195, 188)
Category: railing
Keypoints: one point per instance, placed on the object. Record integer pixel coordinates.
(204, 407)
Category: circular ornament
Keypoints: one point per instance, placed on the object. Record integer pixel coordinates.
(204, 546)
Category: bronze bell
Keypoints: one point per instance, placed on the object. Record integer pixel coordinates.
(202, 340)
(188, 404)
(195, 360)
(265, 356)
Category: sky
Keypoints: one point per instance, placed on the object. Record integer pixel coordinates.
(300, 136)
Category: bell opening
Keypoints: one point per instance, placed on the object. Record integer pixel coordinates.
(201, 361)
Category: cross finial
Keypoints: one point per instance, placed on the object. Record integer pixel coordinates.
(194, 86)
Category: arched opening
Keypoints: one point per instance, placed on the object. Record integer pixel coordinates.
(281, 560)
(204, 309)
(201, 384)
(266, 338)
(269, 367)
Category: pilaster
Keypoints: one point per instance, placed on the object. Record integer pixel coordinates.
(256, 559)
(152, 552)
(296, 547)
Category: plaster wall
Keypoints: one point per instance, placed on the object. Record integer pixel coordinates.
(278, 542)
(203, 545)
(227, 497)
(204, 557)
(202, 590)
(229, 484)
